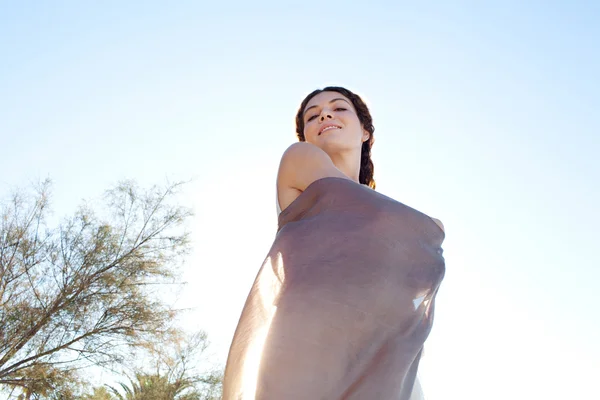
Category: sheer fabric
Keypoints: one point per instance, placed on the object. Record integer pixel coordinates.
(343, 303)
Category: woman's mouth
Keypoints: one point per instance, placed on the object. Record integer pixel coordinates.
(328, 127)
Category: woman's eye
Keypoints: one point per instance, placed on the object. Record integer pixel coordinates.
(340, 109)
(311, 118)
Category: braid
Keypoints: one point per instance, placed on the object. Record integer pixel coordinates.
(367, 169)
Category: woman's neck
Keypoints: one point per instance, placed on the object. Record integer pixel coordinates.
(349, 164)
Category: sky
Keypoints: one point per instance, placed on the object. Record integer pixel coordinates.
(486, 114)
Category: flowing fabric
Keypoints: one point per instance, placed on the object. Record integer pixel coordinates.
(343, 303)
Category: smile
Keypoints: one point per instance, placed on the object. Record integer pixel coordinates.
(329, 127)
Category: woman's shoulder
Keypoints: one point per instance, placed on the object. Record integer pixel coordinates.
(300, 152)
(301, 164)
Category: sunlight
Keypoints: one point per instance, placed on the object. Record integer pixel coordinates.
(417, 302)
(267, 289)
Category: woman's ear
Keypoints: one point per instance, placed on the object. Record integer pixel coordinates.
(366, 135)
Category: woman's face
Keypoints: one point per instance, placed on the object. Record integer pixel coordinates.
(331, 123)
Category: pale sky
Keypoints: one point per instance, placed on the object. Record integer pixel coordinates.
(486, 114)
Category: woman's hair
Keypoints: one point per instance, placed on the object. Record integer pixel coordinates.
(366, 164)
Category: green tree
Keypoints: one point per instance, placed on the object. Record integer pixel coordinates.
(150, 386)
(175, 375)
(99, 393)
(82, 293)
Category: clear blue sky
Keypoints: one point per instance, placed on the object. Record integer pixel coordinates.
(487, 116)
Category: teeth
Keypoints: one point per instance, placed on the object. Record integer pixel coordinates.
(329, 127)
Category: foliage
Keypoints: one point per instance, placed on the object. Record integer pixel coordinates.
(175, 375)
(80, 294)
(99, 393)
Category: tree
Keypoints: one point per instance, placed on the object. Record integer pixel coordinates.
(99, 393)
(175, 375)
(156, 387)
(82, 293)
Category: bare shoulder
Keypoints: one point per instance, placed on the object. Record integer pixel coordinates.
(301, 164)
(439, 223)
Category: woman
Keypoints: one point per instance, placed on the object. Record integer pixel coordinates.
(344, 302)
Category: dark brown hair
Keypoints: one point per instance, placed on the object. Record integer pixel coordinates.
(364, 116)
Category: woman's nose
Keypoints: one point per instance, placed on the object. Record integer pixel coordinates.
(326, 114)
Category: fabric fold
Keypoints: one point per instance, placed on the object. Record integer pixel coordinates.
(343, 303)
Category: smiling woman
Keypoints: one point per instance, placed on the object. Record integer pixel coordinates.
(344, 302)
(338, 125)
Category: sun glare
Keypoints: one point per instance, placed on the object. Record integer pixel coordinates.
(267, 289)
